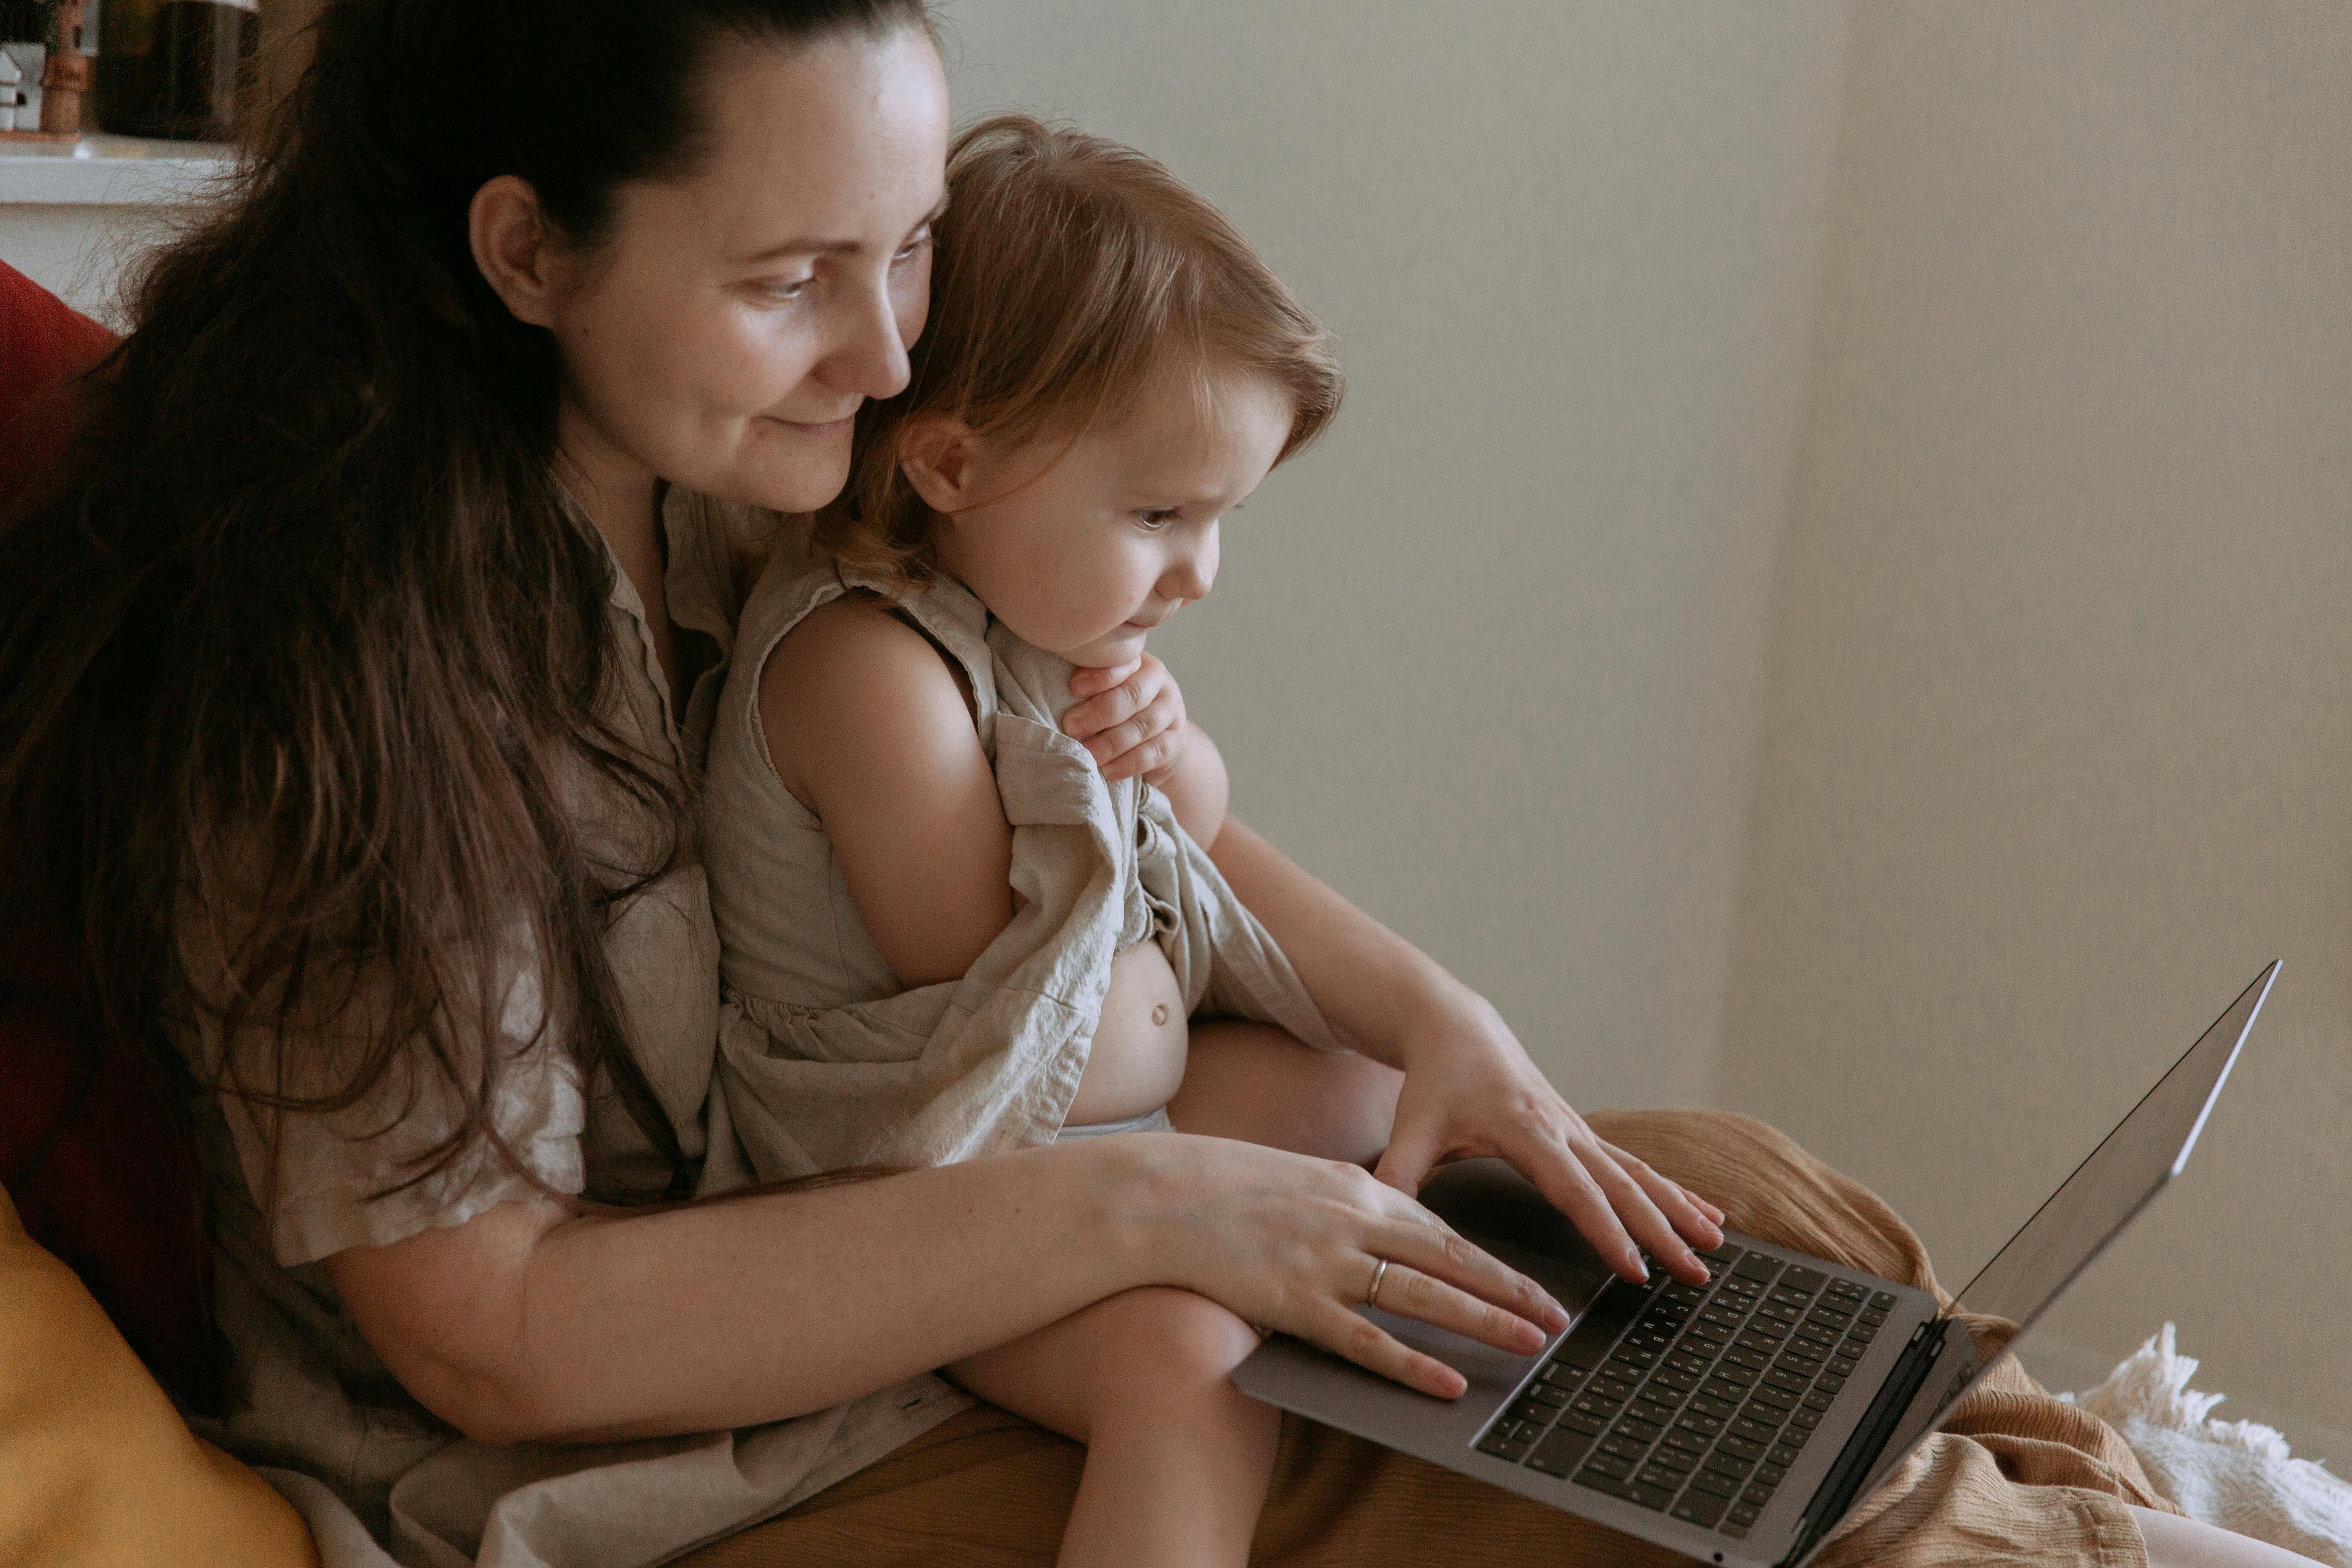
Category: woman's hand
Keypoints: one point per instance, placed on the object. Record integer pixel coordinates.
(1470, 1089)
(1297, 1244)
(1131, 718)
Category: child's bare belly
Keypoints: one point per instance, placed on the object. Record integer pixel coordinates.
(1138, 1058)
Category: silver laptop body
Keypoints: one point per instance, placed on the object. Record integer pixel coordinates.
(1665, 1410)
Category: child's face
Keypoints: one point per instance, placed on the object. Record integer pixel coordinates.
(1085, 555)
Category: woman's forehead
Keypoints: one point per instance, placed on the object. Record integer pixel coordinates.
(837, 143)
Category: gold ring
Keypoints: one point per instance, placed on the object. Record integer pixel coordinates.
(1372, 1296)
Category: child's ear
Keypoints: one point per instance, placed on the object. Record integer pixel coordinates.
(940, 456)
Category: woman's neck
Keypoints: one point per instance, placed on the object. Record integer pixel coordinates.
(617, 492)
(621, 498)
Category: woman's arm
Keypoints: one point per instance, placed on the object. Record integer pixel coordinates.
(1469, 1088)
(525, 1324)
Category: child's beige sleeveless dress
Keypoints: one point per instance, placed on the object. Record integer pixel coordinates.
(825, 1060)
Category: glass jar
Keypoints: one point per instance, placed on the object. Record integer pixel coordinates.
(176, 68)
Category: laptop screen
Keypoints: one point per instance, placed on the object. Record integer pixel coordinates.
(2131, 1166)
(2147, 1150)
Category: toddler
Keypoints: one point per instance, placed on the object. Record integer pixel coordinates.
(944, 933)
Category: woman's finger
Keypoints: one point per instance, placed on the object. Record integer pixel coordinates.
(1641, 1218)
(1569, 1187)
(1681, 1211)
(1405, 1163)
(1481, 1296)
(1361, 1341)
(1408, 1292)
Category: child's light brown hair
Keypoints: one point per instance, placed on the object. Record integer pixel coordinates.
(1068, 271)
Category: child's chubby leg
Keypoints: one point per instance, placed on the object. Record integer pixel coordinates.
(1178, 1459)
(1256, 1083)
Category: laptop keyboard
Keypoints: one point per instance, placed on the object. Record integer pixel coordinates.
(1693, 1401)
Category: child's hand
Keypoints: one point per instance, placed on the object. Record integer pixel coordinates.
(1131, 718)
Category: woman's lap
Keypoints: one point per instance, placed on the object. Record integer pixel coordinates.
(2018, 1477)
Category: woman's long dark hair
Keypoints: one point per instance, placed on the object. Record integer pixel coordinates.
(303, 665)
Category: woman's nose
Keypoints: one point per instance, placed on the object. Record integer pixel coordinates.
(870, 356)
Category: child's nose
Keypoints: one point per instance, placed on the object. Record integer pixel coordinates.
(1191, 574)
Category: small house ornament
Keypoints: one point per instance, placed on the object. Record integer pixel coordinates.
(42, 83)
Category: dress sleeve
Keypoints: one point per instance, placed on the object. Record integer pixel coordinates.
(329, 1180)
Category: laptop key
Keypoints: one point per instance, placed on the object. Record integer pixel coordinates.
(1545, 1395)
(1715, 1483)
(1700, 1509)
(1560, 1454)
(1884, 1300)
(1782, 1456)
(1529, 1410)
(1603, 1476)
(1502, 1447)
(1805, 1280)
(1577, 1421)
(1758, 1494)
(1667, 1456)
(1756, 1265)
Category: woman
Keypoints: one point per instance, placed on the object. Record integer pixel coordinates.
(355, 728)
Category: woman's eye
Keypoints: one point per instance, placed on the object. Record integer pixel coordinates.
(1153, 519)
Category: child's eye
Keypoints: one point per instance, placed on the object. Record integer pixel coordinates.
(792, 289)
(908, 252)
(1152, 519)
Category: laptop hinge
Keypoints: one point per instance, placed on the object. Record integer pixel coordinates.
(1838, 1488)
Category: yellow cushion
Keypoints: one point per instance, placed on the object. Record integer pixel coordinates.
(96, 1468)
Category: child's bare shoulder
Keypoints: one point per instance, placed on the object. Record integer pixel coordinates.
(853, 683)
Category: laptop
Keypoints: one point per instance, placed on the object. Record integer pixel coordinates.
(1739, 1421)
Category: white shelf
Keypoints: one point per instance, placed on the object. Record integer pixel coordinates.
(112, 170)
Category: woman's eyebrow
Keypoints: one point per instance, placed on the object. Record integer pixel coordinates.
(834, 246)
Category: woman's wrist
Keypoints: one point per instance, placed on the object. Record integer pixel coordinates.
(1436, 1013)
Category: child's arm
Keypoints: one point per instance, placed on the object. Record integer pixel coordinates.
(870, 729)
(1197, 788)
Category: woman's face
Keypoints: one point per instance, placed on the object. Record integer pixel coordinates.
(726, 332)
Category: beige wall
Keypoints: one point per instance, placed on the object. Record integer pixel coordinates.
(2059, 717)
(1490, 657)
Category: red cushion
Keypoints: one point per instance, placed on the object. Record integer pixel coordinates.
(102, 1173)
(44, 343)
(100, 1169)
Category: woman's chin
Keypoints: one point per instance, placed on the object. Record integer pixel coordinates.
(798, 487)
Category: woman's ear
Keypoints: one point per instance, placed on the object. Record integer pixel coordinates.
(514, 249)
(940, 457)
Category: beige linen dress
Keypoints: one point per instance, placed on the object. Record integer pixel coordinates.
(381, 1481)
(825, 1060)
